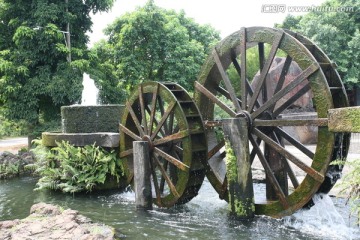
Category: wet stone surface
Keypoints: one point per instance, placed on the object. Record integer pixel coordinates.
(48, 221)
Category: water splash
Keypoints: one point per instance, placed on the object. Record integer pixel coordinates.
(321, 220)
(90, 92)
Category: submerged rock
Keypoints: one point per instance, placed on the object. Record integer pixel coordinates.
(47, 221)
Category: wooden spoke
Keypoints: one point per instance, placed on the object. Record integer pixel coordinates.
(269, 173)
(282, 77)
(215, 149)
(153, 108)
(283, 74)
(243, 69)
(135, 119)
(225, 93)
(291, 122)
(214, 99)
(162, 111)
(291, 100)
(312, 172)
(261, 51)
(299, 79)
(163, 119)
(250, 91)
(261, 65)
(289, 170)
(129, 132)
(171, 159)
(253, 151)
(265, 70)
(155, 182)
(173, 137)
(167, 179)
(294, 142)
(155, 121)
(142, 107)
(227, 81)
(162, 181)
(126, 153)
(171, 123)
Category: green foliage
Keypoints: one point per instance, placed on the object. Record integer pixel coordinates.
(35, 77)
(350, 184)
(10, 128)
(9, 170)
(103, 70)
(74, 169)
(336, 33)
(155, 44)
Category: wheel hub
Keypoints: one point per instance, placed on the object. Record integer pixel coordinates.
(147, 138)
(247, 116)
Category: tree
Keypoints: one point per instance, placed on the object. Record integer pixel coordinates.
(337, 34)
(35, 77)
(103, 71)
(155, 44)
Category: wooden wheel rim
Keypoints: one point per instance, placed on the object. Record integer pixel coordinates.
(210, 78)
(340, 99)
(188, 172)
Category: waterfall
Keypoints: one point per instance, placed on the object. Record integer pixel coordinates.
(90, 92)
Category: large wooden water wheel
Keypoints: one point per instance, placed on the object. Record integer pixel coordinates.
(294, 172)
(165, 116)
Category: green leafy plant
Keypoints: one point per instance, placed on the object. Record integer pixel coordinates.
(350, 185)
(9, 170)
(74, 169)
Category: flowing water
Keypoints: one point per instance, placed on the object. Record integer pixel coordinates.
(90, 92)
(205, 217)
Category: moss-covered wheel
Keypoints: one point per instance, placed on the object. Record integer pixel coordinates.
(285, 176)
(340, 100)
(166, 117)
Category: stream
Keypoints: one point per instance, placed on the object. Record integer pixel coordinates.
(205, 217)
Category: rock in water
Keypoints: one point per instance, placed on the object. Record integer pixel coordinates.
(47, 221)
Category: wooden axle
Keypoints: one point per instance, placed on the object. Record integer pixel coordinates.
(339, 120)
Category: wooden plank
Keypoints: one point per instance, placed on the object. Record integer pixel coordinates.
(344, 119)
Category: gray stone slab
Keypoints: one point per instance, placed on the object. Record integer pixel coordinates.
(103, 139)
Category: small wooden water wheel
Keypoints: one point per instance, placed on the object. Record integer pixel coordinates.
(219, 96)
(166, 117)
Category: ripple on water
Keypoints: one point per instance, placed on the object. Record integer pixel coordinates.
(205, 217)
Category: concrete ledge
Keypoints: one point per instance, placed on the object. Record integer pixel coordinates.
(103, 139)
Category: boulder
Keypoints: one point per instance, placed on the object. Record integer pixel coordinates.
(48, 221)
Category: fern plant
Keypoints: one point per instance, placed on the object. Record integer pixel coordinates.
(8, 170)
(350, 185)
(74, 169)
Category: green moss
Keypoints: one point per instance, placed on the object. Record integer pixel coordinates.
(230, 160)
(242, 208)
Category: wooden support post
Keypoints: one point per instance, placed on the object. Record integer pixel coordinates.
(142, 173)
(238, 168)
